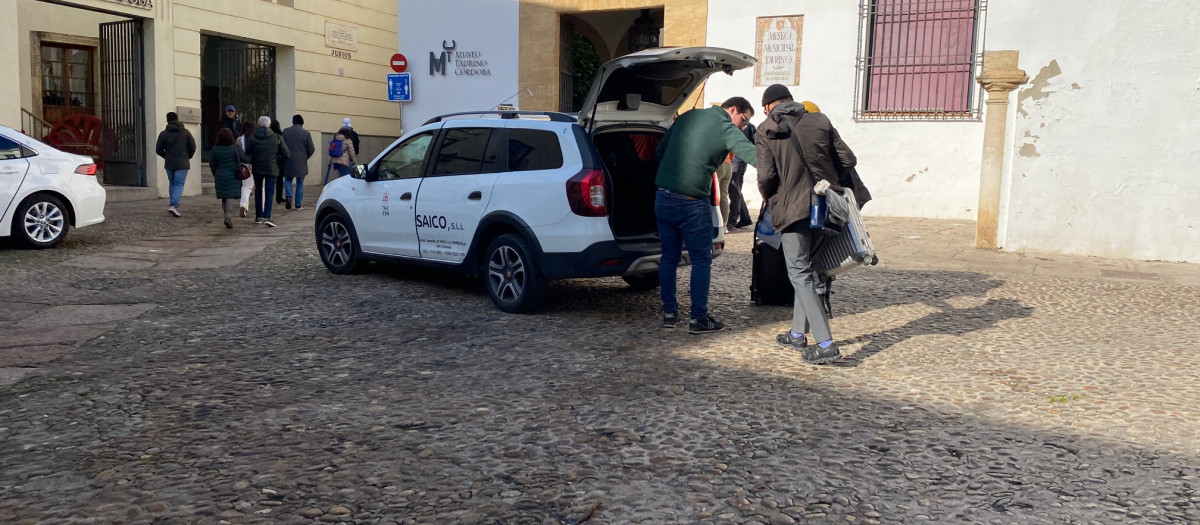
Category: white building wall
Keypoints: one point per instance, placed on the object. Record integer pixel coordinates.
(485, 26)
(925, 169)
(1105, 158)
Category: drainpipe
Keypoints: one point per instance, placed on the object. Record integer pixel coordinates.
(1000, 77)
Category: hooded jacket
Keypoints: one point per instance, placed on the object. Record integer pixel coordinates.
(783, 180)
(265, 149)
(349, 151)
(176, 146)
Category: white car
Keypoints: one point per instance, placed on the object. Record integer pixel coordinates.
(525, 200)
(44, 192)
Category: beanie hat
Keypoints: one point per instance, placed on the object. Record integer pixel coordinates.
(346, 122)
(811, 107)
(775, 92)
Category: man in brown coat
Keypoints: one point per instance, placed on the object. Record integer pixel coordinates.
(794, 153)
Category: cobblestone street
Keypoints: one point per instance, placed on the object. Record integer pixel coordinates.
(159, 370)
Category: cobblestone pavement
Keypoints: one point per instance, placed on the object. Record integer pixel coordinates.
(170, 371)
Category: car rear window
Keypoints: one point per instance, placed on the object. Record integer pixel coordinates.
(533, 149)
(10, 150)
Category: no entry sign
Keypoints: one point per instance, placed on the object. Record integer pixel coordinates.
(399, 63)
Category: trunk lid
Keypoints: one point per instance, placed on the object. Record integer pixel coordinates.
(649, 86)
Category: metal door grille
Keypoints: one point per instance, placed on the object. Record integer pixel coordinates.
(246, 78)
(122, 88)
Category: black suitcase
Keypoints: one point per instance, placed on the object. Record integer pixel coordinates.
(769, 283)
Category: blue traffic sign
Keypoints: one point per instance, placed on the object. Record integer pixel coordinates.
(399, 87)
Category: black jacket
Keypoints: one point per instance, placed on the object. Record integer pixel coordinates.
(176, 146)
(265, 149)
(785, 178)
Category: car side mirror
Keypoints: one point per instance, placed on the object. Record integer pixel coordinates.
(359, 171)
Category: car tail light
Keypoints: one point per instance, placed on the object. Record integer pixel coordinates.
(716, 193)
(586, 194)
(86, 169)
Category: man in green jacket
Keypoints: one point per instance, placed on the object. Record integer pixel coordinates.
(688, 154)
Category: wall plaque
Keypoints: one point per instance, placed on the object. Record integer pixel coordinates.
(341, 37)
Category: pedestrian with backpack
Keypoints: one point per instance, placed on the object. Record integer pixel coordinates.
(341, 153)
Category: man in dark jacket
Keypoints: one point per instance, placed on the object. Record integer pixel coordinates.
(230, 120)
(696, 143)
(739, 215)
(177, 147)
(264, 149)
(795, 153)
(300, 145)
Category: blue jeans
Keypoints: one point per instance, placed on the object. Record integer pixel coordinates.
(683, 221)
(297, 192)
(175, 180)
(263, 199)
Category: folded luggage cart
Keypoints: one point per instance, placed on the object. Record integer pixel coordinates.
(835, 255)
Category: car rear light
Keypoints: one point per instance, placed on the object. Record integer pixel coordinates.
(586, 194)
(86, 169)
(716, 193)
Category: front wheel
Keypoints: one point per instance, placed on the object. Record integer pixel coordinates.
(41, 221)
(514, 281)
(642, 282)
(338, 244)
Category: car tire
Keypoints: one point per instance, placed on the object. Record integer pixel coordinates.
(643, 281)
(41, 221)
(512, 276)
(337, 243)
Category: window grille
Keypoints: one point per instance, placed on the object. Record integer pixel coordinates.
(918, 60)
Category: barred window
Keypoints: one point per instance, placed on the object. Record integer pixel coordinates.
(918, 59)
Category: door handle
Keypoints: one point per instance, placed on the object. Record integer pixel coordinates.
(406, 197)
(475, 195)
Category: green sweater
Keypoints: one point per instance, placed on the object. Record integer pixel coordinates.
(695, 146)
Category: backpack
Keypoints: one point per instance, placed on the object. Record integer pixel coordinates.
(335, 149)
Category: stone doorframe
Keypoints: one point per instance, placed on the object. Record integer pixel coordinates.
(36, 38)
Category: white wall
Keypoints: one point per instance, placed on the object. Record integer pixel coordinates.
(926, 169)
(1106, 141)
(486, 26)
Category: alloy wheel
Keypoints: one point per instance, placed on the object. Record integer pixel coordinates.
(506, 274)
(44, 222)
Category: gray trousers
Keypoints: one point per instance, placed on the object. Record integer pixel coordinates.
(808, 312)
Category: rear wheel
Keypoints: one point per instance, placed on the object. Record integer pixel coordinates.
(338, 245)
(41, 221)
(514, 281)
(643, 281)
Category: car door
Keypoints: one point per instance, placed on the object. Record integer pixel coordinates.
(457, 190)
(13, 167)
(384, 203)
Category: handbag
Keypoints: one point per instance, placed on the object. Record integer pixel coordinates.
(243, 171)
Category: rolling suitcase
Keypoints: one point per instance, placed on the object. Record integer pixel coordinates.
(835, 255)
(769, 282)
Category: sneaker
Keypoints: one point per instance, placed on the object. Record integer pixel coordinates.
(228, 223)
(796, 343)
(288, 203)
(244, 211)
(704, 326)
(258, 220)
(269, 223)
(174, 212)
(671, 320)
(298, 207)
(816, 355)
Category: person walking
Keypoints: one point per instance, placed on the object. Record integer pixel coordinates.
(224, 160)
(177, 147)
(264, 149)
(739, 213)
(300, 144)
(796, 152)
(276, 129)
(247, 184)
(349, 157)
(348, 130)
(688, 155)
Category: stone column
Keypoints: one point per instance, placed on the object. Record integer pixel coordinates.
(1000, 76)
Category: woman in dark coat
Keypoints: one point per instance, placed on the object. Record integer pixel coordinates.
(224, 164)
(275, 127)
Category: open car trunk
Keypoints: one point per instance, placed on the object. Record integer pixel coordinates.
(630, 166)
